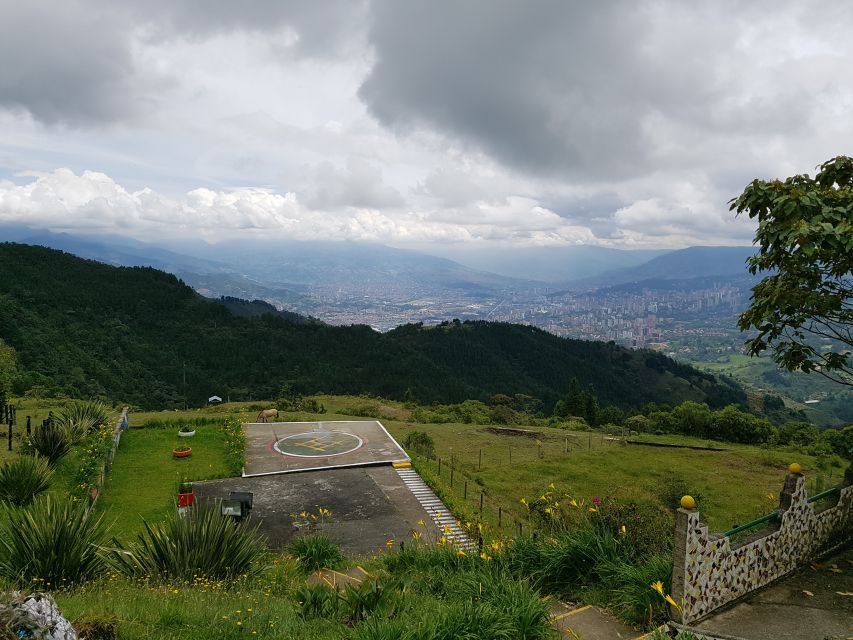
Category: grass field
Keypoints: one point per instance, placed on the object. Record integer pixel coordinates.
(735, 485)
(145, 476)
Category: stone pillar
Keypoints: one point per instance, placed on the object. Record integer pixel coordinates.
(686, 520)
(786, 496)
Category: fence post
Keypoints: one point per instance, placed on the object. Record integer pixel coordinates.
(481, 504)
(480, 462)
(465, 491)
(500, 517)
(28, 425)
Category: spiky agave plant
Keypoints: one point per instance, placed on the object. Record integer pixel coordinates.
(51, 441)
(200, 543)
(52, 543)
(82, 418)
(21, 480)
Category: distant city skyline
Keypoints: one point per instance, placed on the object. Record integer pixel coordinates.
(414, 124)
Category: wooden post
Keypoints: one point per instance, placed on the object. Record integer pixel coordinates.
(519, 528)
(500, 517)
(28, 425)
(465, 491)
(480, 462)
(481, 503)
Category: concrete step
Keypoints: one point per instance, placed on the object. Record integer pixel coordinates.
(591, 623)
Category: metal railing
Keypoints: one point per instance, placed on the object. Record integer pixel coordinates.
(774, 515)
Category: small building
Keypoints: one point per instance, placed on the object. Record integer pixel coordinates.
(214, 400)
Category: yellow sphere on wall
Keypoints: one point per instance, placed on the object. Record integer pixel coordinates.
(687, 502)
(794, 467)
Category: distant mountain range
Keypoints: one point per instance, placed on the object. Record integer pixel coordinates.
(684, 264)
(287, 272)
(549, 264)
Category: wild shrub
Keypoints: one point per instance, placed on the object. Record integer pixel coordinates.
(382, 629)
(315, 552)
(629, 592)
(375, 596)
(473, 621)
(421, 443)
(200, 543)
(317, 601)
(81, 418)
(522, 605)
(51, 441)
(54, 543)
(21, 480)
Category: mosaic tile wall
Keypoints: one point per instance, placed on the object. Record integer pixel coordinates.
(710, 570)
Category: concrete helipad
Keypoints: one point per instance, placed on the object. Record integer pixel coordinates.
(287, 447)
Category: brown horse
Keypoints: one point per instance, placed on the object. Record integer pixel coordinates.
(267, 413)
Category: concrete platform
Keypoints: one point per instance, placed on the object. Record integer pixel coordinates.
(287, 447)
(813, 603)
(369, 506)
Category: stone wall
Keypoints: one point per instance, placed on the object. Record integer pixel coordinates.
(711, 570)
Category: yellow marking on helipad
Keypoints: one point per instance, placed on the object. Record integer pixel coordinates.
(318, 444)
(402, 465)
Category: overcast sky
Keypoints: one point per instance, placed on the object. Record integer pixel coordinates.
(623, 124)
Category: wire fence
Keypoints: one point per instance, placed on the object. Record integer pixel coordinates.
(456, 480)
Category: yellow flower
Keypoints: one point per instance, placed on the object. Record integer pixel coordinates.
(551, 486)
(592, 509)
(547, 509)
(421, 522)
(573, 502)
(657, 586)
(485, 556)
(523, 501)
(669, 599)
(459, 552)
(623, 530)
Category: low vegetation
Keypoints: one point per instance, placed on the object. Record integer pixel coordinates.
(21, 480)
(315, 552)
(200, 544)
(51, 544)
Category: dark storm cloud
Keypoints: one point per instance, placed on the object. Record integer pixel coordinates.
(562, 87)
(64, 64)
(74, 62)
(323, 28)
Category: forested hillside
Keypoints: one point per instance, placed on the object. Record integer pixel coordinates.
(140, 335)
